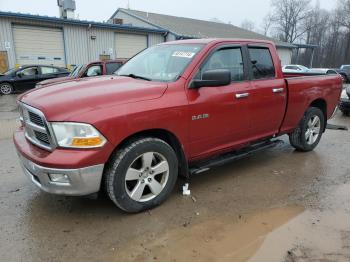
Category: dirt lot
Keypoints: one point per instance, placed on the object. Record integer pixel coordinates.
(275, 206)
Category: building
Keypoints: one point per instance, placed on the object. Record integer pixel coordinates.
(185, 28)
(32, 39)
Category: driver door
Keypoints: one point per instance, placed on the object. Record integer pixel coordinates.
(219, 116)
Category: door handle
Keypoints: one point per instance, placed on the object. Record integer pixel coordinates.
(242, 95)
(278, 90)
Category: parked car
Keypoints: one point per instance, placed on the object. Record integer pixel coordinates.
(180, 107)
(26, 77)
(344, 71)
(295, 69)
(93, 69)
(344, 105)
(323, 71)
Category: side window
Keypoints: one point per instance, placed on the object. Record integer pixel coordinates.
(95, 70)
(48, 70)
(112, 67)
(230, 59)
(30, 71)
(262, 64)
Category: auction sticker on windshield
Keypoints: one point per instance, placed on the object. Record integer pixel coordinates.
(183, 54)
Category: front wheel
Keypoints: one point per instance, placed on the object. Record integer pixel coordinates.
(142, 174)
(309, 132)
(6, 89)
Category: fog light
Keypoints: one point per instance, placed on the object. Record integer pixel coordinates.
(59, 178)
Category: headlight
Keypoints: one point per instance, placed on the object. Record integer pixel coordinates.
(77, 135)
(344, 95)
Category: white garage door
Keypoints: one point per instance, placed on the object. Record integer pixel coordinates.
(127, 45)
(38, 45)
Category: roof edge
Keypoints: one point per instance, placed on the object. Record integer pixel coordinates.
(80, 22)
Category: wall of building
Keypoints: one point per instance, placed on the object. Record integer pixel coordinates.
(82, 44)
(285, 55)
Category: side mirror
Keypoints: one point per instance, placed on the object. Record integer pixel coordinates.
(218, 77)
(19, 74)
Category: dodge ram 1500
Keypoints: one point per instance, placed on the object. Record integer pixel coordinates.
(176, 108)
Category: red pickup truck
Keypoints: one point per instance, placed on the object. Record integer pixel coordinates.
(176, 108)
(97, 68)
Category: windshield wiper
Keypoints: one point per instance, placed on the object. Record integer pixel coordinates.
(137, 77)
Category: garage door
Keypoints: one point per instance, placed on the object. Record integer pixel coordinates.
(38, 45)
(127, 45)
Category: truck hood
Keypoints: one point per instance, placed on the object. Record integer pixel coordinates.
(62, 101)
(55, 80)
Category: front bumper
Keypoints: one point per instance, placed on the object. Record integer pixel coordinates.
(81, 181)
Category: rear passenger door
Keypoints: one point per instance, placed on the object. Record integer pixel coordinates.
(268, 93)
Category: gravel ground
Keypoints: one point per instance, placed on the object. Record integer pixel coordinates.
(279, 205)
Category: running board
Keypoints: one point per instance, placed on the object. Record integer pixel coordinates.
(232, 156)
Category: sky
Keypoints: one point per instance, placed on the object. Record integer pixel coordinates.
(233, 11)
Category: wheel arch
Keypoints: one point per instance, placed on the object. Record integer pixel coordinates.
(321, 104)
(167, 137)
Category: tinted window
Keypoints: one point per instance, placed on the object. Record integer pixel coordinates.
(48, 70)
(262, 64)
(292, 67)
(112, 67)
(95, 70)
(30, 71)
(230, 59)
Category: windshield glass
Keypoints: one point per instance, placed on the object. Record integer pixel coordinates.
(76, 71)
(164, 63)
(10, 72)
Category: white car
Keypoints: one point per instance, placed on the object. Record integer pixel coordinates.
(295, 69)
(325, 71)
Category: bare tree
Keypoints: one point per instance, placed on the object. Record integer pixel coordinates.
(266, 24)
(289, 18)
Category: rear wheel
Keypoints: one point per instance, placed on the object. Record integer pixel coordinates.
(6, 89)
(142, 174)
(309, 132)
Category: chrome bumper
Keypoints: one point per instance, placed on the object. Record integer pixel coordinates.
(82, 181)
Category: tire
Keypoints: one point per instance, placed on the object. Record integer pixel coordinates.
(141, 175)
(345, 78)
(6, 89)
(309, 132)
(345, 112)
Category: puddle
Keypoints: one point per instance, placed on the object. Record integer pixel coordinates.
(226, 239)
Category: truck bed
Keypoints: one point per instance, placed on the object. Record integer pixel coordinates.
(305, 89)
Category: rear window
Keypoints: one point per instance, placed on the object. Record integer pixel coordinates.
(112, 67)
(262, 64)
(48, 70)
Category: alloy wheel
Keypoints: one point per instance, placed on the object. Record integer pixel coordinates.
(313, 130)
(147, 176)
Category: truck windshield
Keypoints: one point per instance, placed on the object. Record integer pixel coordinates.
(164, 63)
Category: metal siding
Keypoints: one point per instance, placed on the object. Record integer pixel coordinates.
(6, 36)
(103, 44)
(154, 39)
(130, 20)
(79, 48)
(76, 42)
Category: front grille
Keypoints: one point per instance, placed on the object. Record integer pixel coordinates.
(36, 119)
(42, 137)
(36, 128)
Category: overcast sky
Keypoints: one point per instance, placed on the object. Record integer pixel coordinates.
(234, 11)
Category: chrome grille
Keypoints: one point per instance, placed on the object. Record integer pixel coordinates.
(37, 130)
